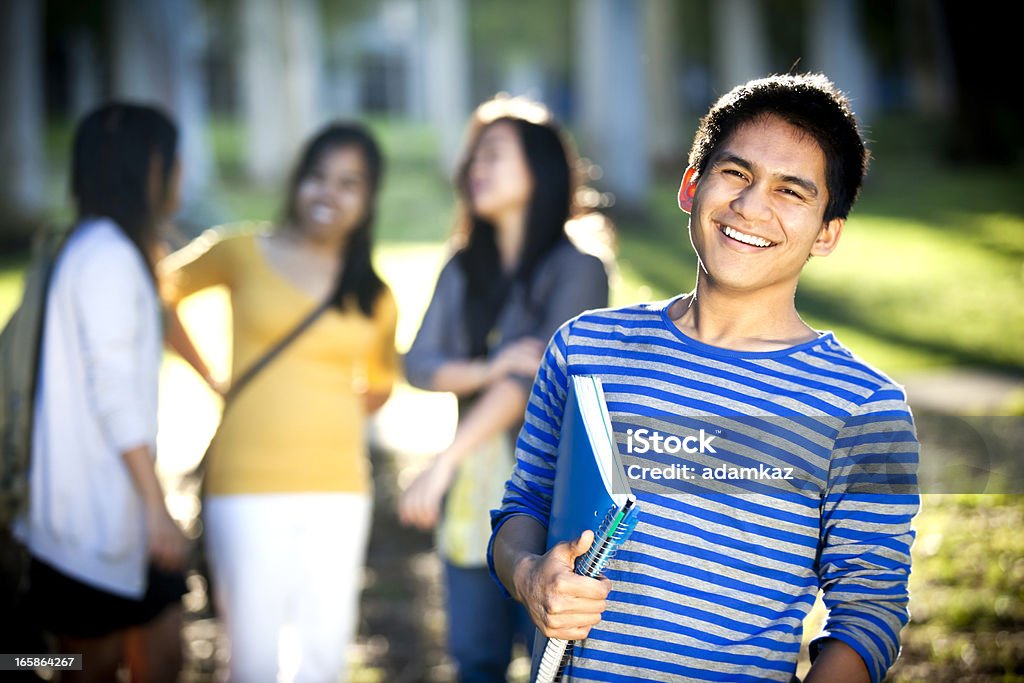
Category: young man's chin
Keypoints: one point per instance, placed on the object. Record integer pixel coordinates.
(744, 282)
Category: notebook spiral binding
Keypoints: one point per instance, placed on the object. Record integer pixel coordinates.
(614, 529)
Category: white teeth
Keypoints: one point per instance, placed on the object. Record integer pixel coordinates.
(745, 238)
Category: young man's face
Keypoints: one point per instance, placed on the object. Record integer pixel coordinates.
(757, 211)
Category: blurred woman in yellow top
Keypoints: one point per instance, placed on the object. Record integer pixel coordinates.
(288, 489)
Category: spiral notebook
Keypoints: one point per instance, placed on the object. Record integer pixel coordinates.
(590, 492)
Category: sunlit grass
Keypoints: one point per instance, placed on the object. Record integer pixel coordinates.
(930, 290)
(967, 591)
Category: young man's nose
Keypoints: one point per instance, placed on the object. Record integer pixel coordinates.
(752, 203)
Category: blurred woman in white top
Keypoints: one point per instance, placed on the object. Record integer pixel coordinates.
(106, 556)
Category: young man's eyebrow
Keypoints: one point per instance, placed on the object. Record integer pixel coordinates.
(727, 158)
(806, 185)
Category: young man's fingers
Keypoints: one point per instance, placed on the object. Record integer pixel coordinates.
(580, 587)
(568, 551)
(575, 607)
(566, 621)
(574, 633)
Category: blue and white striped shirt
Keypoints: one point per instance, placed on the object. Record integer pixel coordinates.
(714, 583)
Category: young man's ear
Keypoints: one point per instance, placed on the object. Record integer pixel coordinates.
(828, 237)
(687, 189)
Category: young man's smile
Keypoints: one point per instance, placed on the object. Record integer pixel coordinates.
(744, 238)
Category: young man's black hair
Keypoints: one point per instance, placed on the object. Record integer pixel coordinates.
(811, 103)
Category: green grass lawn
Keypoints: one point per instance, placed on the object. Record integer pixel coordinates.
(967, 592)
(929, 275)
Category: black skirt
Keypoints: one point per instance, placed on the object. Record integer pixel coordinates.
(67, 607)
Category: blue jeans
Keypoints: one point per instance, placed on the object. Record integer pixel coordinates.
(482, 625)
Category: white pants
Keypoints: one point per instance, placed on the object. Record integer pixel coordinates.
(287, 572)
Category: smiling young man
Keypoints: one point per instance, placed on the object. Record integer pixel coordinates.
(716, 579)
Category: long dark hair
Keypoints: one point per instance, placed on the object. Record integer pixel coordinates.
(358, 278)
(551, 160)
(113, 148)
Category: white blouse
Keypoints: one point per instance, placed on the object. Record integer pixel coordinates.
(96, 398)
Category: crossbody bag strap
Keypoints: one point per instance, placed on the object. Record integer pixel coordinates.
(272, 353)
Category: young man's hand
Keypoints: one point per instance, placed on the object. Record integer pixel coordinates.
(561, 603)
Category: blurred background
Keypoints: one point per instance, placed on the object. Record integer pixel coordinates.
(927, 283)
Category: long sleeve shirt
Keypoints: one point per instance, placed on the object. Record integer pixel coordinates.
(96, 398)
(716, 579)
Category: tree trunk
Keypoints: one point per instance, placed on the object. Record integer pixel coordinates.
(281, 73)
(448, 76)
(84, 84)
(157, 58)
(613, 96)
(22, 193)
(836, 46)
(664, 83)
(739, 42)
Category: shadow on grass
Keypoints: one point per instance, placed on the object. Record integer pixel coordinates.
(833, 307)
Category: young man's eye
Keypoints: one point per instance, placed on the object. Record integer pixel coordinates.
(792, 193)
(733, 172)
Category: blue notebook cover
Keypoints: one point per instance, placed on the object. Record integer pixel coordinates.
(582, 495)
(590, 492)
